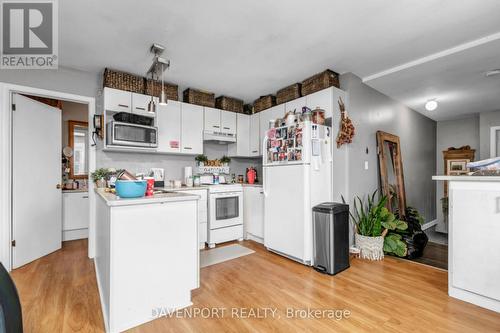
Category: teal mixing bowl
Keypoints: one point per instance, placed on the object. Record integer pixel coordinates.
(130, 188)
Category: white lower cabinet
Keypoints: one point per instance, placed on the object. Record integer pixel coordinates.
(474, 249)
(253, 213)
(75, 215)
(202, 214)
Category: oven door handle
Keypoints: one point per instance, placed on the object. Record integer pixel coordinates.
(227, 194)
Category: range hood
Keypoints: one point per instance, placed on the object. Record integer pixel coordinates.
(213, 136)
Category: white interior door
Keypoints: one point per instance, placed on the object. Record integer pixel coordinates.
(36, 172)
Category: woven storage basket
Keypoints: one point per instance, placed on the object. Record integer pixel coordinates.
(264, 102)
(153, 87)
(371, 248)
(229, 104)
(320, 81)
(123, 81)
(288, 93)
(199, 97)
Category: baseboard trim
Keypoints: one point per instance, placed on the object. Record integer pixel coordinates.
(429, 224)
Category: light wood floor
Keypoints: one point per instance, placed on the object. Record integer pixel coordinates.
(59, 294)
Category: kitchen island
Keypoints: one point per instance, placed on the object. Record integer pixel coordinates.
(147, 259)
(474, 239)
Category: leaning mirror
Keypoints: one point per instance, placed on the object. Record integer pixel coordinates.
(78, 141)
(391, 171)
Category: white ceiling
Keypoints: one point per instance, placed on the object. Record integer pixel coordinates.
(248, 48)
(457, 82)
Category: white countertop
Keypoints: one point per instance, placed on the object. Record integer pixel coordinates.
(75, 191)
(113, 200)
(251, 185)
(468, 178)
(185, 188)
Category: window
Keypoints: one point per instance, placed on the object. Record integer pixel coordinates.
(495, 142)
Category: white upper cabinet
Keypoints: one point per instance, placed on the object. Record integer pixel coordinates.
(228, 122)
(140, 104)
(242, 146)
(296, 104)
(192, 129)
(212, 119)
(117, 100)
(169, 127)
(273, 113)
(254, 144)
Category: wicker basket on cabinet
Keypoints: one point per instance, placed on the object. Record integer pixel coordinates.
(198, 97)
(153, 87)
(123, 81)
(264, 102)
(229, 104)
(320, 81)
(288, 93)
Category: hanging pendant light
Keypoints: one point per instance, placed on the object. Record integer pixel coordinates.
(163, 97)
(152, 104)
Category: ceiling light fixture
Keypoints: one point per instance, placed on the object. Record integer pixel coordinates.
(158, 68)
(493, 72)
(152, 104)
(431, 105)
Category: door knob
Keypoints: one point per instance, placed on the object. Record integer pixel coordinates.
(58, 186)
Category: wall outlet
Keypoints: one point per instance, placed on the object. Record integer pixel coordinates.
(366, 165)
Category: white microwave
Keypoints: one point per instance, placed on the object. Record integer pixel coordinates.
(132, 135)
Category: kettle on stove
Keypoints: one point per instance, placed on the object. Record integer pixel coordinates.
(251, 175)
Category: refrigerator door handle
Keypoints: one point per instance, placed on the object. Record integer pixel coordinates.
(264, 162)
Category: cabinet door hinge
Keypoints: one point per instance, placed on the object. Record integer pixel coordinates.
(13, 243)
(13, 107)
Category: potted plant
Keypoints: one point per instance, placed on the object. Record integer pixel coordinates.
(374, 223)
(201, 159)
(99, 176)
(225, 160)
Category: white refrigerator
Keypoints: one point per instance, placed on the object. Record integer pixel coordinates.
(297, 175)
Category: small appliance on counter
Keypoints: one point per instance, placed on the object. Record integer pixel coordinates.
(159, 176)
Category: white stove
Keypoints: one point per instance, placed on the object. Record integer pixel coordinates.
(225, 213)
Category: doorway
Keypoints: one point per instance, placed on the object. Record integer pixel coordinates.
(8, 94)
(49, 205)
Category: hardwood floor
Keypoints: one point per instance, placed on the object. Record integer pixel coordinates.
(59, 294)
(435, 255)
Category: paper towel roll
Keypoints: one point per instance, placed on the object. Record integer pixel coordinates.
(188, 172)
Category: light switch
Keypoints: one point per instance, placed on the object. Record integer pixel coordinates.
(366, 165)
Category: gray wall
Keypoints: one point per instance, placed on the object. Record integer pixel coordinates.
(370, 111)
(487, 120)
(453, 133)
(63, 80)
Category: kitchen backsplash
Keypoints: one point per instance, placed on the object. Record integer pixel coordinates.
(173, 164)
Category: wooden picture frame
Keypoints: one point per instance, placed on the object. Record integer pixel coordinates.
(395, 153)
(71, 129)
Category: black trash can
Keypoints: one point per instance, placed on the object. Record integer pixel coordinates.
(331, 237)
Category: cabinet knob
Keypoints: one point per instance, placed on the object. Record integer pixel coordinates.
(123, 105)
(58, 186)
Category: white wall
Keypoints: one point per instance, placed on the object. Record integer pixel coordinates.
(453, 133)
(72, 111)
